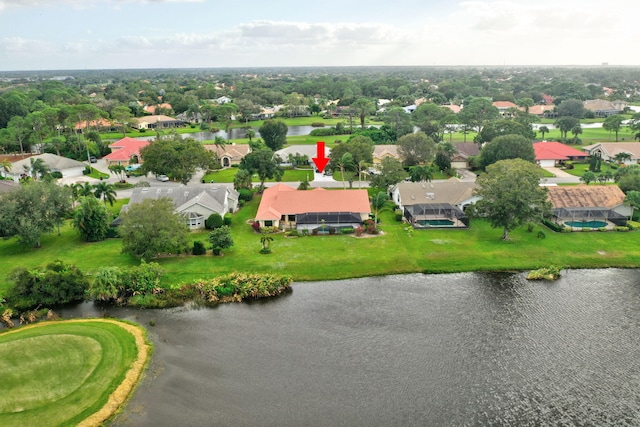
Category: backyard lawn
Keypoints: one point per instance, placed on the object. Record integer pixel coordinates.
(334, 257)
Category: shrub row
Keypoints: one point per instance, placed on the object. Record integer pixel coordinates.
(235, 287)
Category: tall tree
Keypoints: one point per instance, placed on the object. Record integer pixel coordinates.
(274, 134)
(504, 127)
(262, 163)
(363, 107)
(507, 147)
(416, 148)
(390, 173)
(398, 120)
(123, 116)
(176, 157)
(151, 228)
(106, 192)
(478, 112)
(613, 124)
(543, 130)
(511, 194)
(571, 108)
(361, 150)
(33, 210)
(565, 124)
(632, 199)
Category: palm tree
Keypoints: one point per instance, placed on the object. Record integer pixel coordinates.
(36, 168)
(421, 173)
(265, 240)
(632, 199)
(250, 133)
(105, 191)
(345, 163)
(5, 165)
(576, 130)
(543, 130)
(378, 202)
(84, 190)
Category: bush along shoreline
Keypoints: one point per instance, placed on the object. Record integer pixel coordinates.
(134, 286)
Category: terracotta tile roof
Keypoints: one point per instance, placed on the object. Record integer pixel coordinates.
(151, 109)
(539, 110)
(586, 196)
(556, 151)
(94, 123)
(126, 148)
(505, 104)
(455, 108)
(284, 200)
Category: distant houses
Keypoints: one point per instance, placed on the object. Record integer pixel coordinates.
(157, 122)
(230, 154)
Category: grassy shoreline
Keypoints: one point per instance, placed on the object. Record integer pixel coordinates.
(478, 248)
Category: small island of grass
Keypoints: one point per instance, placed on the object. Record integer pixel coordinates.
(76, 372)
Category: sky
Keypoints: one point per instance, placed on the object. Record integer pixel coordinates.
(114, 34)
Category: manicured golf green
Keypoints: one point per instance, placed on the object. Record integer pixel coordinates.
(64, 373)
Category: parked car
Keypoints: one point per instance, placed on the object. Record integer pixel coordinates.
(131, 168)
(163, 178)
(93, 159)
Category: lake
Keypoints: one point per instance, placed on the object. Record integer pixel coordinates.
(453, 349)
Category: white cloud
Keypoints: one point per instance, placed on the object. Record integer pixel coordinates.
(5, 4)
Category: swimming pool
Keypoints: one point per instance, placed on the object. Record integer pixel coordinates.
(586, 224)
(435, 222)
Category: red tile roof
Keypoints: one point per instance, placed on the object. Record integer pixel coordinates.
(505, 104)
(126, 148)
(284, 200)
(556, 151)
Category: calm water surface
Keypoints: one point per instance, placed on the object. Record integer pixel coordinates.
(425, 350)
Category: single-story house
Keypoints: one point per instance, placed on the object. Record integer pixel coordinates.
(98, 125)
(504, 108)
(541, 110)
(265, 113)
(231, 154)
(384, 150)
(125, 151)
(196, 204)
(310, 151)
(67, 167)
(157, 122)
(588, 206)
(602, 107)
(190, 118)
(607, 151)
(435, 204)
(285, 207)
(460, 159)
(453, 107)
(550, 154)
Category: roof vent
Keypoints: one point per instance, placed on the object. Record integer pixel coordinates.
(431, 196)
(413, 197)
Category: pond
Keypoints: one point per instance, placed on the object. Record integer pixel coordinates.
(454, 349)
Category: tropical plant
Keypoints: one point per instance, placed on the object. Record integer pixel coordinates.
(91, 219)
(265, 240)
(106, 192)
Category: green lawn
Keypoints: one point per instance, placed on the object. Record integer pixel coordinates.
(580, 168)
(97, 174)
(227, 175)
(335, 257)
(61, 373)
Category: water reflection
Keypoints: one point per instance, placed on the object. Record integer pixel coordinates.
(459, 349)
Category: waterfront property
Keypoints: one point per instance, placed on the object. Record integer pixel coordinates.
(157, 122)
(285, 207)
(435, 204)
(288, 155)
(195, 204)
(583, 207)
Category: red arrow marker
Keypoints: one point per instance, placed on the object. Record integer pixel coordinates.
(320, 160)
